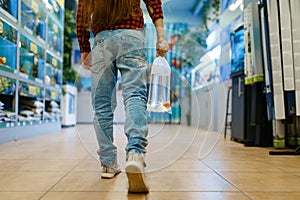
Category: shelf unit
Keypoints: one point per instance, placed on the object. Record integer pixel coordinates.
(31, 48)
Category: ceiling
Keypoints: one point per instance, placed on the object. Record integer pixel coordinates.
(187, 11)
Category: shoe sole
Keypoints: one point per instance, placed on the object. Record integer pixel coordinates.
(135, 179)
(109, 175)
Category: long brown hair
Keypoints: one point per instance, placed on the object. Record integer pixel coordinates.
(106, 12)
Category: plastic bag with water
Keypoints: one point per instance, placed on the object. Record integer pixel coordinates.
(159, 92)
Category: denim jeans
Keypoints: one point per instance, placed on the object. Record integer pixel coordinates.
(120, 51)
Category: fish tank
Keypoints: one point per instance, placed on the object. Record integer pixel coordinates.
(33, 18)
(7, 86)
(8, 47)
(55, 35)
(53, 70)
(32, 60)
(11, 6)
(32, 91)
(52, 95)
(57, 9)
(238, 50)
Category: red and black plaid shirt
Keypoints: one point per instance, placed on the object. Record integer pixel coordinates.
(132, 23)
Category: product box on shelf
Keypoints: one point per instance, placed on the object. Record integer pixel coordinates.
(8, 47)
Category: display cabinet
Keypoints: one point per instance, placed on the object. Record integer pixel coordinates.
(31, 47)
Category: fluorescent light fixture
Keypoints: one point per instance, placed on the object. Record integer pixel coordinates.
(235, 5)
(211, 39)
(242, 7)
(215, 53)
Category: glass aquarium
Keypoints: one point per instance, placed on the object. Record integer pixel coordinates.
(31, 59)
(7, 86)
(11, 6)
(56, 7)
(33, 17)
(55, 36)
(8, 47)
(52, 95)
(53, 70)
(28, 90)
(238, 50)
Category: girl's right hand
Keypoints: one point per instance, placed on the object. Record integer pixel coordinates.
(86, 60)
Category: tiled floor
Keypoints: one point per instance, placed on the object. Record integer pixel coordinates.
(183, 163)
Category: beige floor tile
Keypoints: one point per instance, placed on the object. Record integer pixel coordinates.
(59, 151)
(242, 166)
(188, 181)
(92, 182)
(88, 165)
(236, 151)
(285, 163)
(28, 181)
(93, 195)
(185, 163)
(41, 166)
(5, 163)
(20, 195)
(274, 195)
(196, 196)
(297, 174)
(190, 165)
(267, 181)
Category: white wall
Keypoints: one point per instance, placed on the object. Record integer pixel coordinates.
(208, 107)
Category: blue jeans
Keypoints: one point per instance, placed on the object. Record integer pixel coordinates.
(124, 51)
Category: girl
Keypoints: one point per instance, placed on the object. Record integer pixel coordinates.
(119, 45)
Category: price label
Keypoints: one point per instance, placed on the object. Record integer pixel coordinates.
(54, 62)
(35, 6)
(1, 27)
(33, 47)
(32, 90)
(55, 28)
(53, 95)
(61, 3)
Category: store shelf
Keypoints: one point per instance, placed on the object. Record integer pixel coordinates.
(31, 41)
(19, 132)
(8, 15)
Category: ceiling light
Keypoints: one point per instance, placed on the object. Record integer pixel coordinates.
(235, 5)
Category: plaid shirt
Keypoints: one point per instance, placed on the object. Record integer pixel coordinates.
(132, 23)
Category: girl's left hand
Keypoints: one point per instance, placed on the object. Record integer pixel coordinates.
(86, 60)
